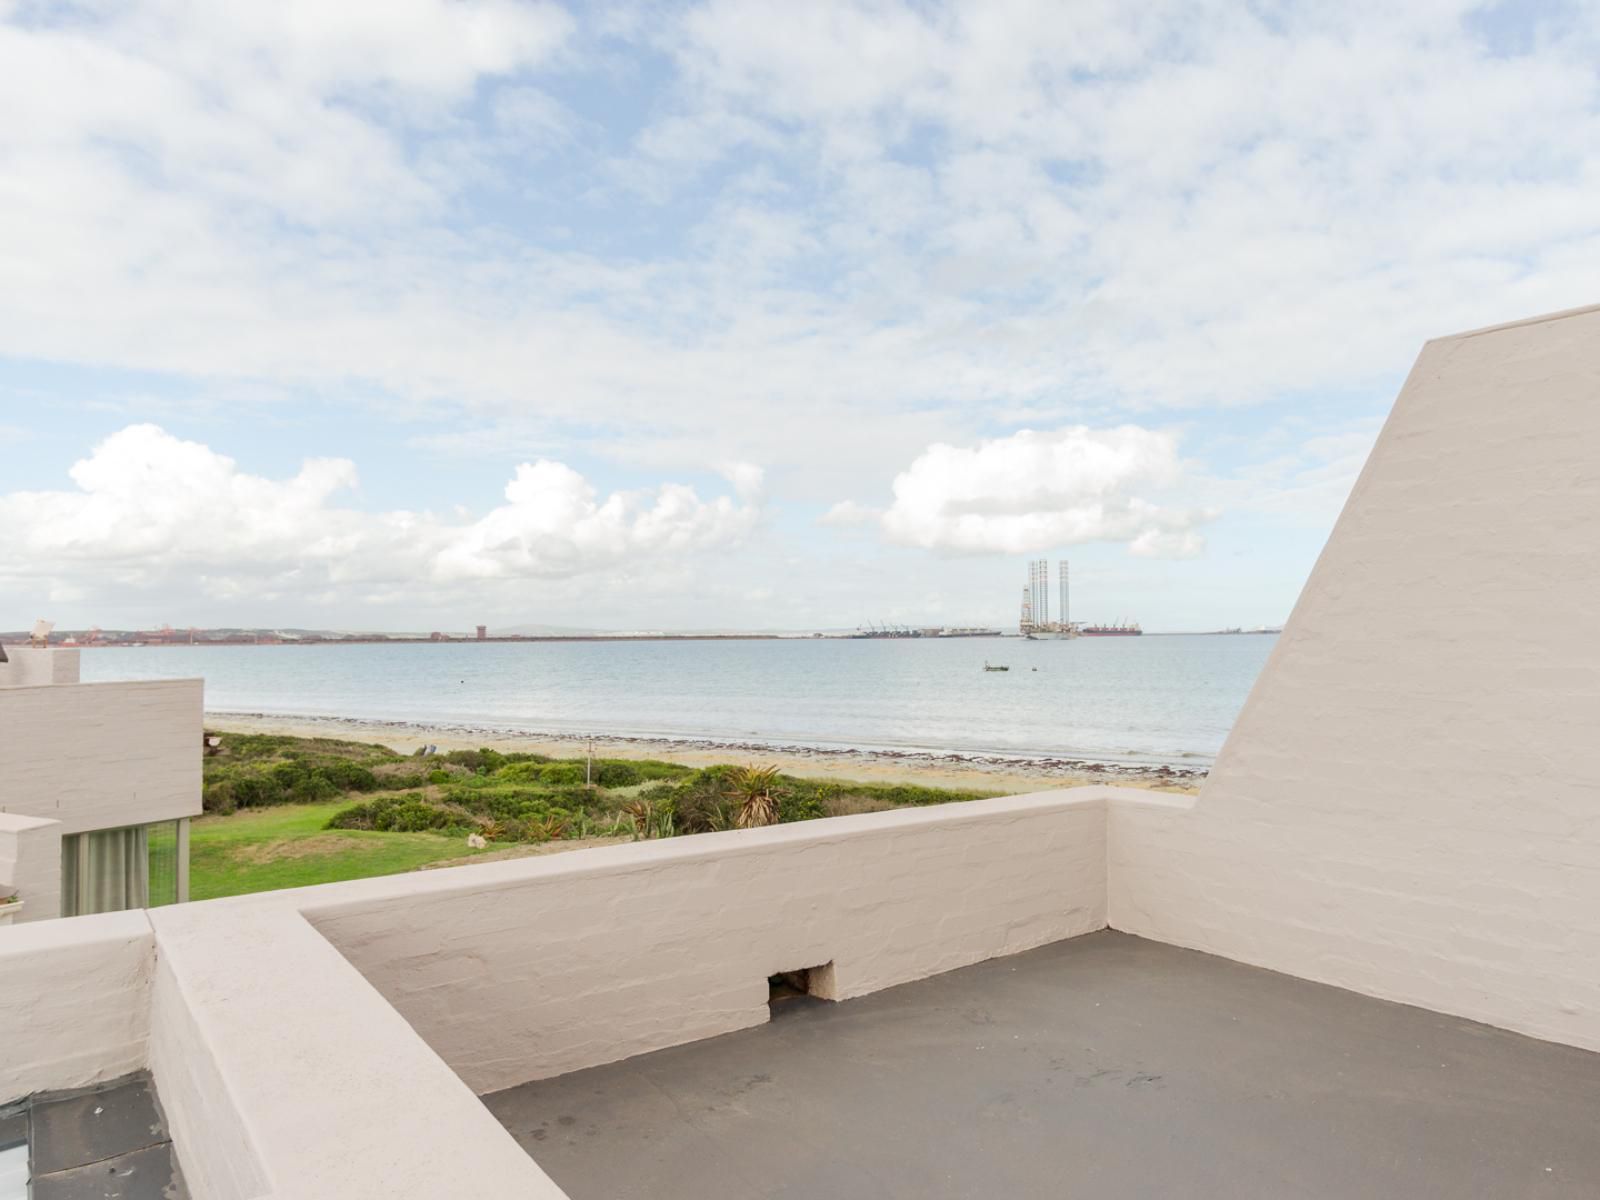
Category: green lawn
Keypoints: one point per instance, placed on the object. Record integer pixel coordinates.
(286, 846)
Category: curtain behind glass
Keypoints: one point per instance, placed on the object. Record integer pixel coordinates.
(105, 871)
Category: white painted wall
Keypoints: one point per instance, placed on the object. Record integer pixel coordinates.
(30, 865)
(282, 1069)
(1407, 805)
(526, 969)
(28, 666)
(74, 1001)
(101, 755)
(209, 1134)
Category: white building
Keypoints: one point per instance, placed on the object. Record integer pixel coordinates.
(98, 785)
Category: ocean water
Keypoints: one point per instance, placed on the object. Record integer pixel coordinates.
(1119, 700)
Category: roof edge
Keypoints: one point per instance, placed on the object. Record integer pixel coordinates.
(1582, 310)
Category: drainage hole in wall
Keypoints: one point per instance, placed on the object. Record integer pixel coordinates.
(789, 991)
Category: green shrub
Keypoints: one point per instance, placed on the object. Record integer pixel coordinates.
(562, 773)
(616, 773)
(400, 783)
(554, 773)
(799, 806)
(301, 783)
(217, 797)
(485, 761)
(701, 804)
(257, 790)
(348, 776)
(409, 812)
(520, 772)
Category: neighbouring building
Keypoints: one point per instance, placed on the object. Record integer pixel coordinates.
(97, 786)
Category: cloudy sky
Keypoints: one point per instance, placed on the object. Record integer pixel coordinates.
(408, 314)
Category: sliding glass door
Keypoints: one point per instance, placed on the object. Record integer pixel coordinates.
(114, 869)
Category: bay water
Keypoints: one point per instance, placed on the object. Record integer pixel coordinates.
(1153, 699)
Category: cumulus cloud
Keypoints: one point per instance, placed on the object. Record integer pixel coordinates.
(1043, 490)
(150, 508)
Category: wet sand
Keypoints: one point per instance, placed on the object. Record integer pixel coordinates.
(988, 772)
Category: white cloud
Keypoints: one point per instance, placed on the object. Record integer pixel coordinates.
(152, 510)
(747, 479)
(1041, 491)
(1157, 543)
(848, 512)
(888, 206)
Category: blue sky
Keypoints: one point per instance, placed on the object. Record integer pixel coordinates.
(422, 313)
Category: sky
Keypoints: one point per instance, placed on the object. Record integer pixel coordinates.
(419, 314)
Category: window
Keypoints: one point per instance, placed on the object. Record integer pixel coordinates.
(109, 870)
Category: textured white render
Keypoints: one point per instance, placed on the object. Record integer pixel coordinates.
(285, 1071)
(28, 666)
(1408, 803)
(30, 864)
(74, 1001)
(594, 957)
(101, 755)
(283, 1068)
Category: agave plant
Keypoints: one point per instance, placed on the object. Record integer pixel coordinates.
(645, 820)
(752, 787)
(550, 829)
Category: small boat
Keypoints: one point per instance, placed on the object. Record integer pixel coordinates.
(987, 667)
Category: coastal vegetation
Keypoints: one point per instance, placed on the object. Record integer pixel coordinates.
(287, 811)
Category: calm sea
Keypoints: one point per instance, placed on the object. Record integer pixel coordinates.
(1132, 700)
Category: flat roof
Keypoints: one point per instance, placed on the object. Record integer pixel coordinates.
(110, 1140)
(1103, 1066)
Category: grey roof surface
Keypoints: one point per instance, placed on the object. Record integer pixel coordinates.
(1104, 1066)
(96, 1143)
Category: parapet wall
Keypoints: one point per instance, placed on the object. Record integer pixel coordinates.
(285, 1069)
(330, 1042)
(74, 1002)
(600, 956)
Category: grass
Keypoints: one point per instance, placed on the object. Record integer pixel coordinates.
(258, 850)
(287, 812)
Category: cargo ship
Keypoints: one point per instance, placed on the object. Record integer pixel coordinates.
(1132, 630)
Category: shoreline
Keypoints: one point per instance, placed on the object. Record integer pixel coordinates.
(931, 768)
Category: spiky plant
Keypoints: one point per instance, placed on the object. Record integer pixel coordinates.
(752, 786)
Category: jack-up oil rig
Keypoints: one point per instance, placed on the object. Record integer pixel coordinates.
(1036, 623)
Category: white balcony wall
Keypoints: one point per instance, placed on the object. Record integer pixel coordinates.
(74, 1002)
(523, 970)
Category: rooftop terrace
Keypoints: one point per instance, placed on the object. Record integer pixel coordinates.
(1104, 1066)
(1365, 828)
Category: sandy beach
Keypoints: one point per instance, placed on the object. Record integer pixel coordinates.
(867, 766)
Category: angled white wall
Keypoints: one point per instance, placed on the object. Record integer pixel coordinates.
(1409, 804)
